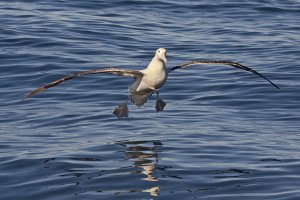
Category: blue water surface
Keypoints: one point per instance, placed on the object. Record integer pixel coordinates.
(224, 134)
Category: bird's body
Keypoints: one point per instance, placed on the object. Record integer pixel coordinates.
(147, 81)
(154, 77)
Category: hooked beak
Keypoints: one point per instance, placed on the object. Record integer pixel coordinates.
(164, 58)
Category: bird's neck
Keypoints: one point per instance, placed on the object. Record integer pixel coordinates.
(156, 64)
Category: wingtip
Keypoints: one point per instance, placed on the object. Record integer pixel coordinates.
(27, 96)
(276, 86)
(41, 89)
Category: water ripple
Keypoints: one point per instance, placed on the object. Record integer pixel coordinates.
(223, 134)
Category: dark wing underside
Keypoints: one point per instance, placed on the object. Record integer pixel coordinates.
(115, 71)
(233, 64)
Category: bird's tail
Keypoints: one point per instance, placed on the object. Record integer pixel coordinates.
(139, 99)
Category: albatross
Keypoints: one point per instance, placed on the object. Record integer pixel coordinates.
(147, 81)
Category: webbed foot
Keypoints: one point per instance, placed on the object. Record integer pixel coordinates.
(159, 105)
(121, 110)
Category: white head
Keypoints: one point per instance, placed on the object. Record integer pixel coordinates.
(161, 53)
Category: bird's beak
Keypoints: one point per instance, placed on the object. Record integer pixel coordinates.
(164, 59)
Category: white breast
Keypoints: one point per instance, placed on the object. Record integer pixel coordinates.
(155, 75)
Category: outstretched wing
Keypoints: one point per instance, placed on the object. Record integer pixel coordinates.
(233, 64)
(115, 71)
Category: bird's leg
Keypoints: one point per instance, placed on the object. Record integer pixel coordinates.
(160, 104)
(121, 110)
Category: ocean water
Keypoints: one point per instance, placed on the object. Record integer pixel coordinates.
(224, 134)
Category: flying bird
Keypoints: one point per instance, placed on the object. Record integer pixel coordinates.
(147, 81)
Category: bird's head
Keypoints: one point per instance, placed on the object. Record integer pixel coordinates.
(161, 53)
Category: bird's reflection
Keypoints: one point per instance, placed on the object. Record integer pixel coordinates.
(144, 155)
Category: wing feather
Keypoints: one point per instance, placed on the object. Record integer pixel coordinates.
(233, 64)
(115, 71)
